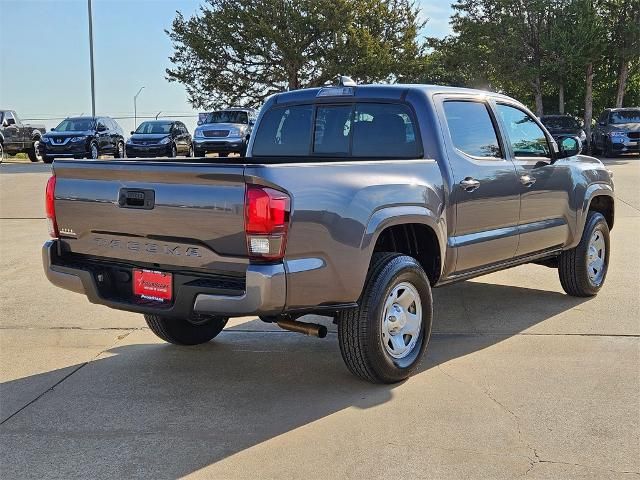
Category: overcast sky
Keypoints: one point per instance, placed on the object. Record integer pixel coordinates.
(44, 56)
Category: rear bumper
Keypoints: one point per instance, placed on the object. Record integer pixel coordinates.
(263, 291)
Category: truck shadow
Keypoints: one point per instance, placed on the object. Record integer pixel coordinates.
(160, 411)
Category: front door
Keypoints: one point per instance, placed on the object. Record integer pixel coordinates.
(544, 200)
(485, 188)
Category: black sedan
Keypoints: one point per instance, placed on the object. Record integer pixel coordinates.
(160, 138)
(83, 137)
(562, 126)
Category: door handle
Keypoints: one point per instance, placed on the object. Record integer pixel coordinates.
(470, 184)
(527, 180)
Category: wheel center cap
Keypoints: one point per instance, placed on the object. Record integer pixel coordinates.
(397, 319)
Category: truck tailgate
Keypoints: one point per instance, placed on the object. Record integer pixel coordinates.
(186, 215)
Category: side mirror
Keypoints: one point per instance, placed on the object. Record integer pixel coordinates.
(5, 123)
(8, 121)
(569, 146)
(102, 128)
(200, 122)
(132, 132)
(252, 123)
(53, 129)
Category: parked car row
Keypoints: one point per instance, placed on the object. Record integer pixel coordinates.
(616, 131)
(222, 132)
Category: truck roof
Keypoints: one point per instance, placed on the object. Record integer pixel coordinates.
(380, 91)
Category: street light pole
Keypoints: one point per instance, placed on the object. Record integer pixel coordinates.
(93, 86)
(135, 109)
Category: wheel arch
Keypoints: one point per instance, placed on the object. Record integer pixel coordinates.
(412, 230)
(598, 197)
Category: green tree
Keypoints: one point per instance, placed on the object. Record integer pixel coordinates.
(241, 51)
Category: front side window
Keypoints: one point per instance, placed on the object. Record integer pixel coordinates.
(525, 136)
(471, 129)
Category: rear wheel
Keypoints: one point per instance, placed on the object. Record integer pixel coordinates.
(384, 338)
(583, 269)
(191, 331)
(34, 152)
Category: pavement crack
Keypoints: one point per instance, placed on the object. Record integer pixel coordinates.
(76, 369)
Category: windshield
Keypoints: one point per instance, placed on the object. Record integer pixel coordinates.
(560, 123)
(75, 125)
(625, 116)
(227, 117)
(154, 127)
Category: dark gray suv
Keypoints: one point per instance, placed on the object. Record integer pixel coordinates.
(617, 131)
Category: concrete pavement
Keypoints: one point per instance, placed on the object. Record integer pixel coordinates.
(519, 379)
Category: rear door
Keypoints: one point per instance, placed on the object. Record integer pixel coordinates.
(486, 191)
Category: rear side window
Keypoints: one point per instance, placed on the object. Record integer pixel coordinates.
(284, 131)
(345, 130)
(471, 129)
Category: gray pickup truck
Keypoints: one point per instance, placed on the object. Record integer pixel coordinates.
(352, 202)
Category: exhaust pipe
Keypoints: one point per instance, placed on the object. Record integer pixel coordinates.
(311, 329)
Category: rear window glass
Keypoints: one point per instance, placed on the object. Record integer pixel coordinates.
(471, 129)
(384, 130)
(284, 131)
(360, 130)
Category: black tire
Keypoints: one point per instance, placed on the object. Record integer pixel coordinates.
(91, 151)
(33, 153)
(190, 154)
(1, 152)
(573, 266)
(608, 150)
(120, 151)
(360, 329)
(47, 159)
(173, 153)
(185, 332)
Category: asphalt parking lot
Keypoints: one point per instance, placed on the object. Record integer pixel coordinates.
(520, 379)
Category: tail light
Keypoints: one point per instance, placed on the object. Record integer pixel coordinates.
(266, 222)
(50, 206)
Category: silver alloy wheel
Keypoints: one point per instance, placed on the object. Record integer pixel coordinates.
(401, 320)
(596, 257)
(94, 151)
(191, 154)
(1, 153)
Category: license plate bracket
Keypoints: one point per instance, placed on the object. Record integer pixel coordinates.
(153, 285)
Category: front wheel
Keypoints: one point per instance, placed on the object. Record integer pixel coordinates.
(191, 331)
(583, 269)
(174, 151)
(384, 338)
(34, 152)
(1, 152)
(93, 151)
(190, 154)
